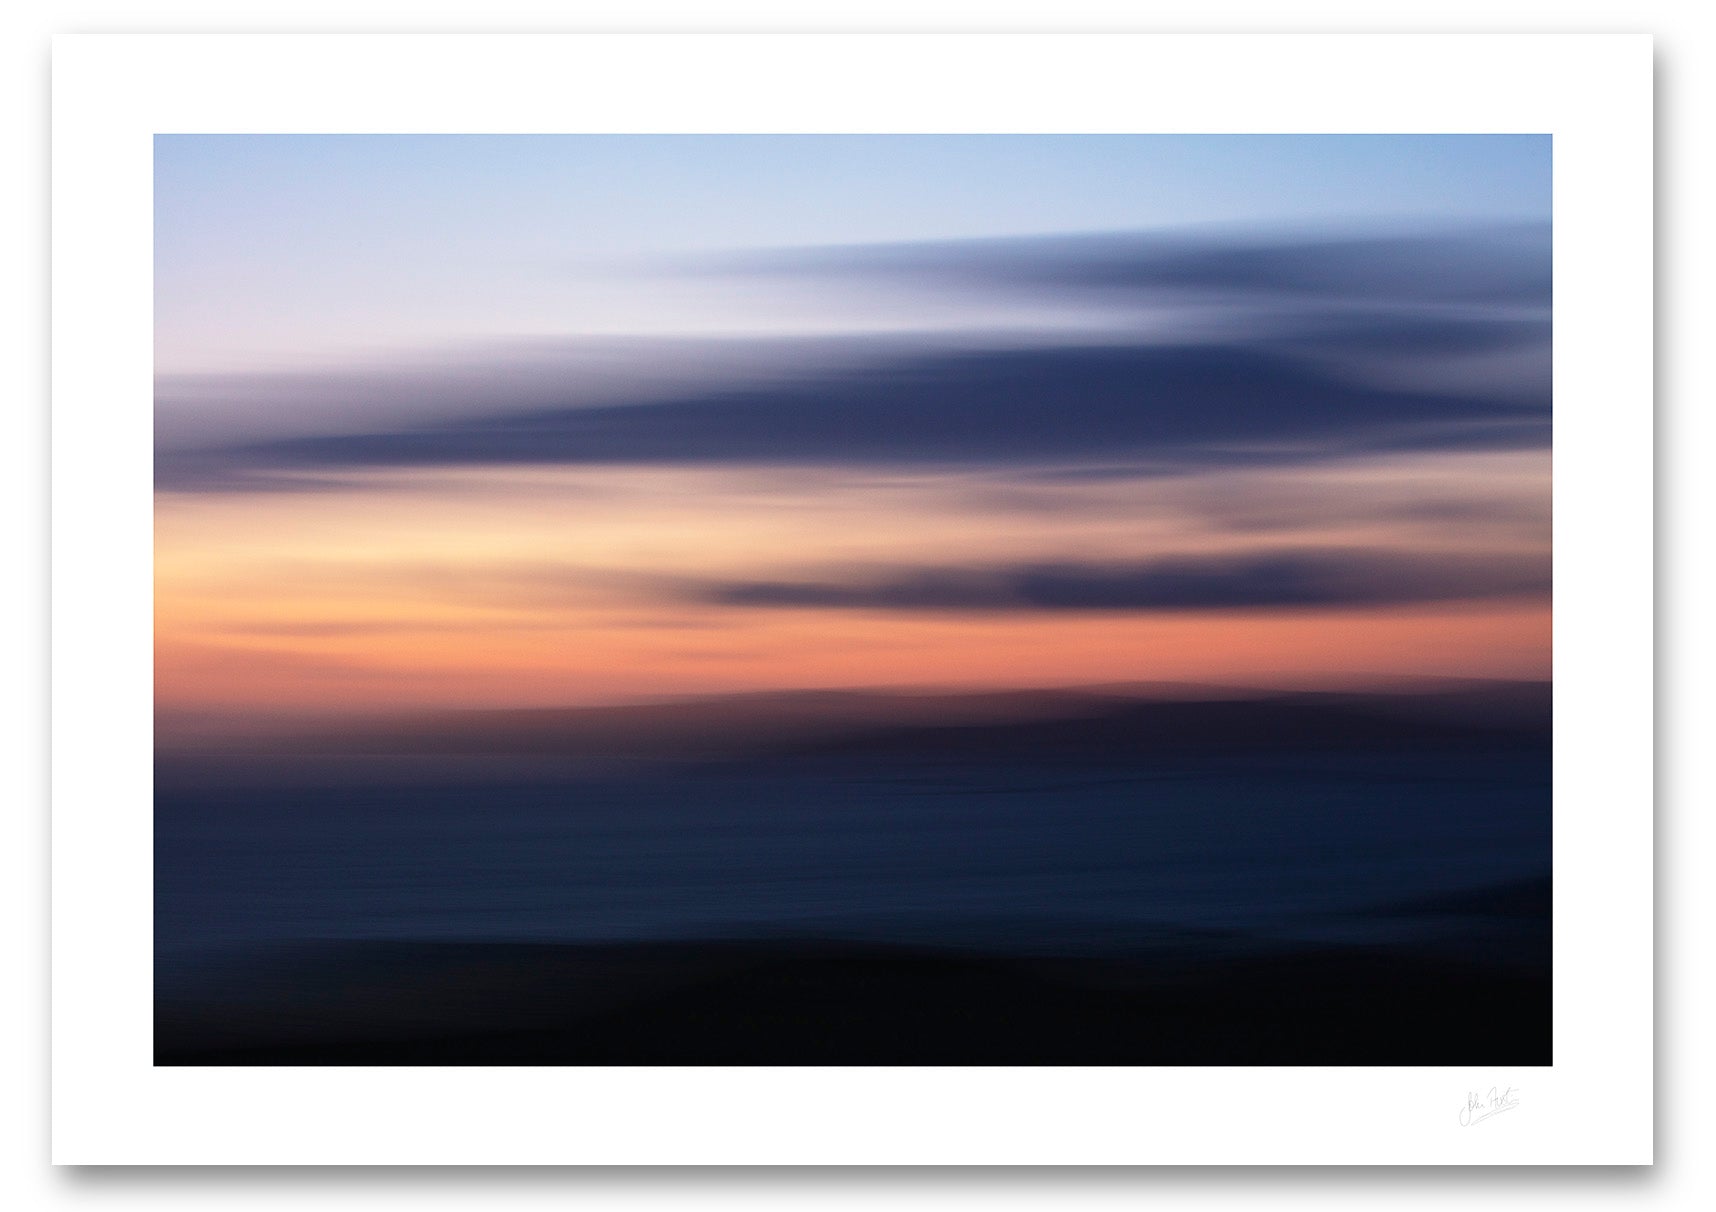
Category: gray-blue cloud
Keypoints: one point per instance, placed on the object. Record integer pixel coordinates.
(1330, 347)
(1300, 578)
(1503, 265)
(1181, 407)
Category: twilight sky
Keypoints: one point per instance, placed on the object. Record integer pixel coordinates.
(537, 420)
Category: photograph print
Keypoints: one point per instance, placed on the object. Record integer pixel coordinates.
(1004, 600)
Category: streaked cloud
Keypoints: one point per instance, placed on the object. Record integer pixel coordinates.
(1494, 265)
(1259, 580)
(1285, 348)
(1186, 407)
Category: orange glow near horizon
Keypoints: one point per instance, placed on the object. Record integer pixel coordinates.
(544, 587)
(411, 670)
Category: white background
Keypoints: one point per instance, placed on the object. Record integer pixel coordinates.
(1336, 1114)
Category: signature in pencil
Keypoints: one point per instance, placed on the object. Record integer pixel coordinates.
(1479, 1107)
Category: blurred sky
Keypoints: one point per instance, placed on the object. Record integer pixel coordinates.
(529, 420)
(285, 250)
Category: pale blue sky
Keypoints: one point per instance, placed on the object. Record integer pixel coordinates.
(289, 252)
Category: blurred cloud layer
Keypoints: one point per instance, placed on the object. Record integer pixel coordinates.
(1431, 339)
(1223, 397)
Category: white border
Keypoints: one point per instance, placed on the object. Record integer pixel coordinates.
(112, 93)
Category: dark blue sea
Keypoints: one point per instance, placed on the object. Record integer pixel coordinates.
(1366, 847)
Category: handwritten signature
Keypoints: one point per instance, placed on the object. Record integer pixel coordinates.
(1479, 1107)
